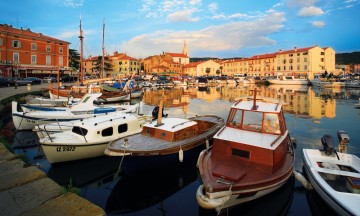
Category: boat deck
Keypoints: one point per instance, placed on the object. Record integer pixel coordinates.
(141, 144)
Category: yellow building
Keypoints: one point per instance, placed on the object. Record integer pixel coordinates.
(203, 68)
(124, 65)
(298, 61)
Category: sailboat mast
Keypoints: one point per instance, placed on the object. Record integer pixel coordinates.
(103, 75)
(81, 75)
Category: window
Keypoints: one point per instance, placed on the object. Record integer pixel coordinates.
(33, 46)
(48, 48)
(16, 57)
(48, 60)
(240, 153)
(305, 53)
(305, 59)
(271, 123)
(322, 59)
(122, 128)
(16, 44)
(60, 50)
(107, 132)
(236, 119)
(305, 67)
(252, 121)
(79, 130)
(298, 67)
(61, 63)
(322, 53)
(33, 59)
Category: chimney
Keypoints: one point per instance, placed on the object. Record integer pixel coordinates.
(295, 48)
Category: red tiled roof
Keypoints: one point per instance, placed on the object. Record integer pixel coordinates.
(181, 55)
(28, 33)
(193, 64)
(126, 57)
(293, 50)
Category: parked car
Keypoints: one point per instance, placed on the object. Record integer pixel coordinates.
(4, 82)
(20, 81)
(49, 79)
(33, 80)
(68, 79)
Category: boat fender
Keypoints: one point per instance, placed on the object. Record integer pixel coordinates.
(181, 155)
(207, 144)
(210, 203)
(300, 177)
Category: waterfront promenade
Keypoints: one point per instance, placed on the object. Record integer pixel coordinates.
(26, 190)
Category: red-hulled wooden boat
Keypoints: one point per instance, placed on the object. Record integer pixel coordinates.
(251, 156)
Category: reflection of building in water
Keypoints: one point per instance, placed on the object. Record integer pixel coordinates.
(175, 97)
(300, 100)
(320, 107)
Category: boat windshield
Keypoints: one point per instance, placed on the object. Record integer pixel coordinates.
(255, 121)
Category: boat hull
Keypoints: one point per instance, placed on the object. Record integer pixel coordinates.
(343, 202)
(56, 153)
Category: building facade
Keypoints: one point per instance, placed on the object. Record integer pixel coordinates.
(203, 68)
(25, 53)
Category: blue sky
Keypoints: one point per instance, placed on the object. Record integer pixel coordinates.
(215, 28)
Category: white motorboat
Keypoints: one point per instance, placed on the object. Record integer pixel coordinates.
(89, 137)
(335, 175)
(251, 156)
(288, 80)
(28, 119)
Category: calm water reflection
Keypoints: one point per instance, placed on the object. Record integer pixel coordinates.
(310, 113)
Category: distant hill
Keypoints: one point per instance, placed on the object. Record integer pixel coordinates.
(347, 58)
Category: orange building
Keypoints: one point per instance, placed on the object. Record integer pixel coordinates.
(25, 53)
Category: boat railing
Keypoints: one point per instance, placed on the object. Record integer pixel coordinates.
(182, 123)
(277, 139)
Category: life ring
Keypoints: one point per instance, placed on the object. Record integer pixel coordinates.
(65, 103)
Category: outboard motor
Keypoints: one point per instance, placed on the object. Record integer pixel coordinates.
(328, 144)
(343, 137)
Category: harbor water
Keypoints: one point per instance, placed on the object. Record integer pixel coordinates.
(170, 189)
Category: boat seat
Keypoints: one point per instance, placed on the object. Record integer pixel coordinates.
(228, 172)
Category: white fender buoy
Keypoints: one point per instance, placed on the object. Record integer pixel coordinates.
(302, 180)
(181, 155)
(207, 144)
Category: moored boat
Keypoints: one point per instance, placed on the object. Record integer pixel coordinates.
(167, 137)
(35, 115)
(288, 80)
(251, 156)
(335, 175)
(89, 137)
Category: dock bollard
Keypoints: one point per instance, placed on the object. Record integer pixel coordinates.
(29, 87)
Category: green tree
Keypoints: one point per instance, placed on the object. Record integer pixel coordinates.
(107, 65)
(74, 59)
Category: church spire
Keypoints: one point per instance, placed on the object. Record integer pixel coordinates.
(185, 50)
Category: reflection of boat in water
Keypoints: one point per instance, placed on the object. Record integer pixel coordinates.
(138, 191)
(317, 205)
(289, 88)
(83, 172)
(276, 203)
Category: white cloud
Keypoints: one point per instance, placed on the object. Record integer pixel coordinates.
(310, 11)
(318, 24)
(229, 36)
(73, 3)
(213, 7)
(182, 16)
(300, 3)
(195, 2)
